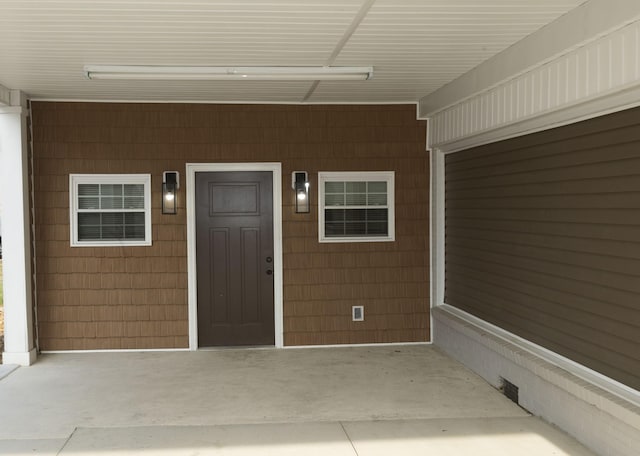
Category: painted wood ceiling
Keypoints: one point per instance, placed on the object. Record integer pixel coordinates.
(415, 46)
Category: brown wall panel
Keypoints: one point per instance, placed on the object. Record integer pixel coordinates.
(136, 297)
(543, 239)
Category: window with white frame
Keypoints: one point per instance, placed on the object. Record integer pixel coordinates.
(356, 206)
(110, 209)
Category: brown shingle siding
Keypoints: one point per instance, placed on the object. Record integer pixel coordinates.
(138, 295)
(543, 239)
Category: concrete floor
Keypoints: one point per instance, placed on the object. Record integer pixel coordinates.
(353, 401)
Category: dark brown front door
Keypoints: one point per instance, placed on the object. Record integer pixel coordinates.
(234, 244)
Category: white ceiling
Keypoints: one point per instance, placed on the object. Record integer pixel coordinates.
(415, 46)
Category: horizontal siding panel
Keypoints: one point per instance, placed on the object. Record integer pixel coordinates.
(622, 304)
(600, 264)
(629, 167)
(622, 233)
(624, 282)
(543, 239)
(567, 243)
(587, 216)
(621, 184)
(583, 353)
(622, 321)
(555, 156)
(567, 330)
(612, 200)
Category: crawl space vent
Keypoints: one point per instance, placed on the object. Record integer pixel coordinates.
(509, 389)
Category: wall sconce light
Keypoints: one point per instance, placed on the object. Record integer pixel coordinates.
(170, 186)
(300, 183)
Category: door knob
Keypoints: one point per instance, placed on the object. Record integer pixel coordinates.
(269, 272)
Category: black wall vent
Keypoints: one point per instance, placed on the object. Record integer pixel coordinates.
(509, 389)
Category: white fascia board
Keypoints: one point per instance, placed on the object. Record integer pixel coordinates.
(586, 22)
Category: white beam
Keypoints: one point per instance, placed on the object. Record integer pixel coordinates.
(586, 22)
(16, 234)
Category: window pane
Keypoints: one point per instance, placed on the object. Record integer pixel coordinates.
(356, 187)
(334, 229)
(355, 228)
(334, 215)
(334, 199)
(377, 228)
(88, 218)
(355, 215)
(356, 222)
(134, 218)
(88, 189)
(134, 190)
(111, 226)
(108, 202)
(134, 232)
(88, 233)
(88, 203)
(112, 232)
(377, 187)
(134, 202)
(111, 189)
(334, 187)
(112, 218)
(356, 199)
(377, 199)
(377, 214)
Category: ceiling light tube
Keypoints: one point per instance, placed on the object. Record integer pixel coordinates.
(204, 73)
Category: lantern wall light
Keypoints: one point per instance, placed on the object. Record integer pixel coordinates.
(170, 186)
(300, 183)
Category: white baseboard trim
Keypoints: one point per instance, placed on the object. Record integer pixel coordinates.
(20, 358)
(388, 344)
(118, 350)
(270, 347)
(599, 412)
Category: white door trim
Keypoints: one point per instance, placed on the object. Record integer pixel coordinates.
(276, 170)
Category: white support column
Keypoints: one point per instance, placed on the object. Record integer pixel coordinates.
(16, 233)
(437, 228)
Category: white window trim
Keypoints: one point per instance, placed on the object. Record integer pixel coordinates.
(358, 176)
(76, 179)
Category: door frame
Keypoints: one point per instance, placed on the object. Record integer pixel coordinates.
(192, 286)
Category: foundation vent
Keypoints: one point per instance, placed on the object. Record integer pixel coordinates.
(357, 313)
(509, 389)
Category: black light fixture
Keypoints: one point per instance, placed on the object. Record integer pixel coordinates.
(170, 186)
(300, 183)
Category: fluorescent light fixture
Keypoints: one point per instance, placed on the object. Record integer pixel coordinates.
(210, 73)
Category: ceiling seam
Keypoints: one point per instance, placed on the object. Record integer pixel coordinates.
(355, 23)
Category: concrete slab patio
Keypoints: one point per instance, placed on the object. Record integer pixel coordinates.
(358, 400)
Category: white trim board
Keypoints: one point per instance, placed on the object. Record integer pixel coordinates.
(602, 74)
(276, 170)
(232, 102)
(386, 344)
(437, 238)
(114, 350)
